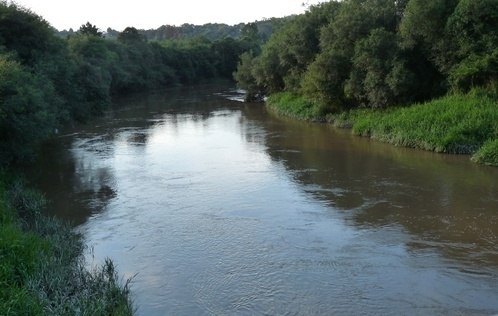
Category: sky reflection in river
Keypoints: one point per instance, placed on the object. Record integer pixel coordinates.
(222, 208)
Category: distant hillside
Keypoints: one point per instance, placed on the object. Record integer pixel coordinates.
(210, 31)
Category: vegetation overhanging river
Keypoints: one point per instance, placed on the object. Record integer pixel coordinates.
(222, 208)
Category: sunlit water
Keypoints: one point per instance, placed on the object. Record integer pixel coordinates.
(221, 208)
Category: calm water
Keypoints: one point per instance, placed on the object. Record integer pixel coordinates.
(224, 209)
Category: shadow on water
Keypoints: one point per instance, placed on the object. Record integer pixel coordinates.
(445, 202)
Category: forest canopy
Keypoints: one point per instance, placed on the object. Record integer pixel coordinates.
(415, 73)
(378, 53)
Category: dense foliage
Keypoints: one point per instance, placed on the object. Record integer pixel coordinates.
(379, 53)
(47, 81)
(345, 57)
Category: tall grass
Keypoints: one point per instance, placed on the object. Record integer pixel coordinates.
(458, 124)
(42, 269)
(487, 154)
(299, 107)
(451, 124)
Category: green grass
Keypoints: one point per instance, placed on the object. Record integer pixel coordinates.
(42, 269)
(452, 124)
(295, 106)
(487, 154)
(457, 124)
(19, 253)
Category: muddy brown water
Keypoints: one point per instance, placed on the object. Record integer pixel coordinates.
(221, 208)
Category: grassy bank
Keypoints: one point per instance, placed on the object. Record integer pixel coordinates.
(458, 124)
(42, 269)
(488, 153)
(298, 107)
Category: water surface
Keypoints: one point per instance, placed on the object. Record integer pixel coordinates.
(221, 208)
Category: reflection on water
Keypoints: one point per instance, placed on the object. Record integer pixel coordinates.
(436, 197)
(222, 208)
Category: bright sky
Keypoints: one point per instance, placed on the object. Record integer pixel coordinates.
(146, 14)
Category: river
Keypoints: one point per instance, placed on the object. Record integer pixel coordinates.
(220, 208)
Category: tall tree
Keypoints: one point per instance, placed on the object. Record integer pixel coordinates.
(91, 30)
(131, 35)
(27, 113)
(24, 33)
(378, 76)
(423, 28)
(473, 28)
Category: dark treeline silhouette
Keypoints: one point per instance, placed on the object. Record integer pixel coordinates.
(378, 53)
(47, 81)
(210, 31)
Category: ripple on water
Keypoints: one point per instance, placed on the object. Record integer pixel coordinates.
(223, 210)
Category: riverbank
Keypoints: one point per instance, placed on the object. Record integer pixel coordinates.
(42, 267)
(457, 124)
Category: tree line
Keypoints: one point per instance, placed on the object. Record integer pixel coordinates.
(210, 31)
(47, 81)
(378, 53)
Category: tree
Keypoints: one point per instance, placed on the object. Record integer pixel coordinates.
(473, 27)
(249, 32)
(24, 33)
(90, 30)
(94, 64)
(227, 52)
(131, 35)
(354, 60)
(289, 51)
(377, 74)
(324, 80)
(423, 29)
(355, 20)
(27, 115)
(245, 78)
